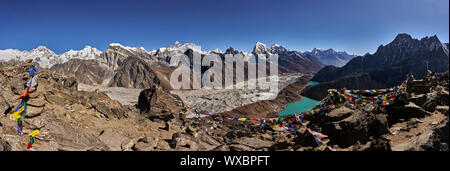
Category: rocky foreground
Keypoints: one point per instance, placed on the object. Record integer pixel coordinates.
(79, 120)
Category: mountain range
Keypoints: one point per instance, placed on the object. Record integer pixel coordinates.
(330, 56)
(46, 57)
(113, 66)
(136, 67)
(387, 67)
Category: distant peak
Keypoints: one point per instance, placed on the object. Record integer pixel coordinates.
(275, 45)
(278, 49)
(231, 50)
(402, 37)
(176, 44)
(115, 44)
(217, 50)
(434, 38)
(41, 48)
(260, 48)
(259, 43)
(318, 50)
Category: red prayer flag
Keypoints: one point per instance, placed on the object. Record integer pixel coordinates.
(25, 94)
(29, 145)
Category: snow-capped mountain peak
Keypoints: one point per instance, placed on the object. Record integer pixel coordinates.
(41, 55)
(178, 47)
(217, 50)
(277, 49)
(132, 49)
(176, 44)
(260, 48)
(86, 53)
(46, 57)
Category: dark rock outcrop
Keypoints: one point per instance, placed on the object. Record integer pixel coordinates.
(147, 98)
(404, 125)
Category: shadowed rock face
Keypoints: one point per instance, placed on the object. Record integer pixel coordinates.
(136, 73)
(147, 98)
(360, 81)
(86, 71)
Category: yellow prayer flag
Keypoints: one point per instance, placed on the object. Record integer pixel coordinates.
(35, 132)
(17, 116)
(242, 119)
(19, 111)
(12, 117)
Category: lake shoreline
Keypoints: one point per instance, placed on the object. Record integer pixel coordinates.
(303, 105)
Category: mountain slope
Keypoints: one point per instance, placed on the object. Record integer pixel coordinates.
(387, 67)
(403, 55)
(134, 72)
(86, 71)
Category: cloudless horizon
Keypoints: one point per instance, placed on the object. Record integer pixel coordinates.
(354, 26)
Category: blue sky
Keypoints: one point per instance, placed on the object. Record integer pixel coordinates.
(356, 26)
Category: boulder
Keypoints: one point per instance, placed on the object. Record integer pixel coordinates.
(127, 146)
(147, 99)
(4, 106)
(356, 126)
(434, 100)
(418, 87)
(4, 146)
(395, 114)
(443, 109)
(113, 139)
(105, 105)
(221, 148)
(33, 111)
(36, 102)
(70, 83)
(435, 139)
(185, 142)
(54, 98)
(254, 143)
(381, 144)
(418, 99)
(141, 146)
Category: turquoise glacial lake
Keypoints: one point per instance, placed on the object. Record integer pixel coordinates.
(304, 105)
(312, 83)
